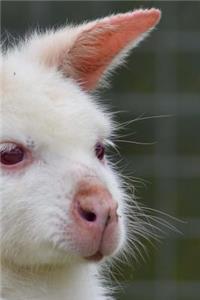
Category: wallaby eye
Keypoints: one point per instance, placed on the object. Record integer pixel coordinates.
(11, 154)
(100, 151)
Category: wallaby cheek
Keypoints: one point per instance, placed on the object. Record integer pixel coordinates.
(73, 208)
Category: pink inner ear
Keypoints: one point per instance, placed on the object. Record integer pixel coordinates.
(95, 48)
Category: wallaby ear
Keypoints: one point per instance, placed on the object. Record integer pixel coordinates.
(89, 51)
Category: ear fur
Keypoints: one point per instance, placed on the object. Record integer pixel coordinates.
(88, 52)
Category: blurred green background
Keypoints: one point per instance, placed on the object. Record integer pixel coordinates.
(161, 77)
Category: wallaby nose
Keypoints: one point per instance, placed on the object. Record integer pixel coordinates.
(94, 205)
(97, 209)
(94, 213)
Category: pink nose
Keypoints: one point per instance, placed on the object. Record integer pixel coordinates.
(96, 220)
(96, 206)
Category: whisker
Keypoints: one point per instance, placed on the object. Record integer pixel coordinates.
(141, 118)
(144, 208)
(137, 143)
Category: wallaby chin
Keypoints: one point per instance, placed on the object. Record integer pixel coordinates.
(63, 206)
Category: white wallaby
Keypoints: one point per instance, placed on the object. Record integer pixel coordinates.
(63, 208)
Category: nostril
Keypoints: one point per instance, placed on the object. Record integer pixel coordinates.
(87, 215)
(108, 220)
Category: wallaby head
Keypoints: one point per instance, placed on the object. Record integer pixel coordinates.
(61, 200)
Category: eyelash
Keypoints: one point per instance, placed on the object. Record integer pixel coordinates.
(7, 146)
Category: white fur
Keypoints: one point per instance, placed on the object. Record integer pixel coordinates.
(60, 123)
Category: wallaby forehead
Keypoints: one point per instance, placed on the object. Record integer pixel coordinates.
(40, 102)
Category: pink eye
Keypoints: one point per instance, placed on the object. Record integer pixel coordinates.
(100, 151)
(11, 154)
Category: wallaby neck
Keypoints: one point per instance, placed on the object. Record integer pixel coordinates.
(62, 283)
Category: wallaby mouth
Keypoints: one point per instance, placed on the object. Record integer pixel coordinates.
(98, 256)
